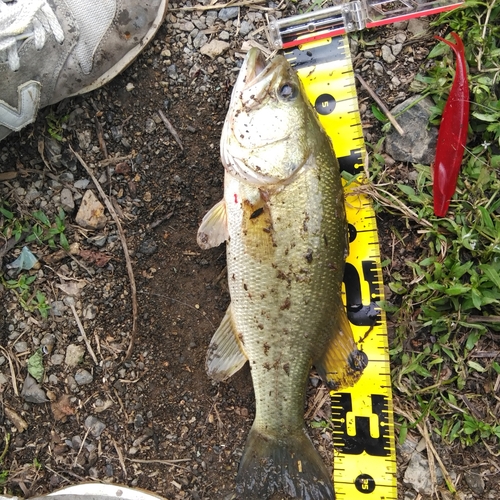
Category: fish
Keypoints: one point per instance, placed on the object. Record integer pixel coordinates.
(283, 219)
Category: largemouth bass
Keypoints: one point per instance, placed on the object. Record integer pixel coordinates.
(284, 222)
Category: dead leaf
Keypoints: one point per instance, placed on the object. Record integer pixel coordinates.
(62, 408)
(19, 422)
(100, 259)
(72, 288)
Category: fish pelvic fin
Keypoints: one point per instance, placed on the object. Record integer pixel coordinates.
(342, 363)
(289, 465)
(226, 353)
(213, 228)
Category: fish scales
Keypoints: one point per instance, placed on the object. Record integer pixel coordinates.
(283, 219)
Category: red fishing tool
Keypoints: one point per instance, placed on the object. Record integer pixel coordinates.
(452, 132)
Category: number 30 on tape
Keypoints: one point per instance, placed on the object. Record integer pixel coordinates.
(362, 417)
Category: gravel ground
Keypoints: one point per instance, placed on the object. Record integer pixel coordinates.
(154, 421)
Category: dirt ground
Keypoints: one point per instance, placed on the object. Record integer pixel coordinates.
(168, 428)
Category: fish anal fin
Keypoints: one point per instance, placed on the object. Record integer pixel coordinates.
(225, 353)
(213, 228)
(342, 363)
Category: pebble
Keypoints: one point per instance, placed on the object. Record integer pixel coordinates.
(74, 355)
(150, 126)
(214, 48)
(67, 202)
(91, 212)
(387, 54)
(57, 307)
(21, 346)
(81, 183)
(57, 359)
(3, 379)
(419, 142)
(229, 13)
(83, 377)
(96, 426)
(90, 312)
(378, 68)
(245, 28)
(418, 476)
(475, 482)
(148, 247)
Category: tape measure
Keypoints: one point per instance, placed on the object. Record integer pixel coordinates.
(362, 416)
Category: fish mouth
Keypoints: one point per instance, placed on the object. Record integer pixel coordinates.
(256, 77)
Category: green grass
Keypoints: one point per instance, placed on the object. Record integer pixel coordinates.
(35, 230)
(445, 304)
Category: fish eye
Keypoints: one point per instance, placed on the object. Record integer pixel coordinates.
(288, 91)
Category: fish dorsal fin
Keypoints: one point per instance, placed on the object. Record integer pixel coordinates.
(225, 353)
(213, 228)
(342, 363)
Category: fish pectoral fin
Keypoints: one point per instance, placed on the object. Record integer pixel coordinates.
(225, 353)
(342, 363)
(213, 228)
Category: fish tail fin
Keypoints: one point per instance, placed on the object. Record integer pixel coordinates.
(289, 465)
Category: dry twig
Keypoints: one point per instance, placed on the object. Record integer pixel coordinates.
(430, 447)
(383, 107)
(84, 335)
(12, 371)
(123, 240)
(171, 129)
(120, 459)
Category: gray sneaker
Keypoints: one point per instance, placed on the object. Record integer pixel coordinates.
(53, 49)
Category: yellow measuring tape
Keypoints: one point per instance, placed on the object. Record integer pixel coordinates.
(362, 416)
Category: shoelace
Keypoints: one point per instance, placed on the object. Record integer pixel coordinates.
(23, 19)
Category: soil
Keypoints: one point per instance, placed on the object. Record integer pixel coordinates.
(168, 428)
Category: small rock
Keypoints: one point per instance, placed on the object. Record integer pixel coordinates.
(57, 359)
(67, 202)
(96, 426)
(400, 38)
(214, 48)
(32, 392)
(81, 183)
(418, 476)
(31, 195)
(74, 355)
(21, 346)
(387, 54)
(150, 126)
(129, 87)
(200, 40)
(138, 421)
(419, 142)
(91, 212)
(224, 35)
(83, 377)
(148, 247)
(84, 139)
(378, 68)
(475, 482)
(3, 379)
(418, 27)
(397, 48)
(186, 26)
(90, 312)
(57, 307)
(229, 13)
(245, 28)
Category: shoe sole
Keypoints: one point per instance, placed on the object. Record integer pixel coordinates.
(129, 58)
